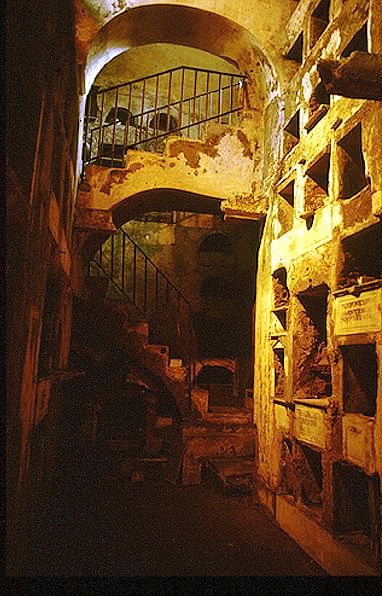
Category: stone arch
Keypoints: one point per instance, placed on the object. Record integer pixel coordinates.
(216, 242)
(149, 24)
(165, 23)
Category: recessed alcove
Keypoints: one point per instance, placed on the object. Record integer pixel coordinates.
(311, 366)
(356, 498)
(319, 104)
(287, 192)
(319, 21)
(359, 378)
(362, 261)
(292, 132)
(358, 42)
(220, 384)
(352, 177)
(279, 370)
(316, 184)
(280, 298)
(311, 476)
(296, 51)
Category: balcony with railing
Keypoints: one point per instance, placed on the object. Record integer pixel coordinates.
(143, 113)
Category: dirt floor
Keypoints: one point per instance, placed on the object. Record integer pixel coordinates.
(113, 527)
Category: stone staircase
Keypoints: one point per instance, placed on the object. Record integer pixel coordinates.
(218, 438)
(222, 440)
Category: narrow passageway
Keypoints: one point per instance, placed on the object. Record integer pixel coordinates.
(151, 528)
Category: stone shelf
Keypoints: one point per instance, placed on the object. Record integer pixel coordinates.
(360, 287)
(283, 402)
(314, 402)
(318, 114)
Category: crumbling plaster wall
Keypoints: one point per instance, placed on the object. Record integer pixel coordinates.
(218, 167)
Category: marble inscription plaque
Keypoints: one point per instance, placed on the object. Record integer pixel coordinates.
(310, 425)
(360, 314)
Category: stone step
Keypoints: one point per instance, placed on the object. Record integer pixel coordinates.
(228, 415)
(233, 472)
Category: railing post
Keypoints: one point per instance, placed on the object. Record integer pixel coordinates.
(156, 288)
(167, 310)
(207, 90)
(168, 101)
(231, 100)
(181, 98)
(112, 258)
(145, 286)
(219, 98)
(100, 134)
(194, 98)
(134, 273)
(87, 116)
(142, 108)
(114, 126)
(123, 261)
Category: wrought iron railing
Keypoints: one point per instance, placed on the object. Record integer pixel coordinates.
(135, 278)
(142, 113)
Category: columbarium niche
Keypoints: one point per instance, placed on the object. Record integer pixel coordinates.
(302, 474)
(319, 104)
(311, 476)
(319, 21)
(286, 193)
(279, 329)
(316, 184)
(311, 371)
(352, 172)
(296, 51)
(356, 504)
(358, 42)
(359, 378)
(292, 133)
(362, 260)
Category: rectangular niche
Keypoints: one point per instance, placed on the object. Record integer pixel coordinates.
(280, 298)
(311, 477)
(317, 183)
(356, 497)
(358, 43)
(280, 289)
(319, 21)
(296, 51)
(351, 162)
(292, 133)
(362, 260)
(319, 104)
(286, 206)
(359, 378)
(311, 366)
(279, 370)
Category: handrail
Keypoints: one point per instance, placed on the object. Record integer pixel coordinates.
(170, 321)
(164, 72)
(155, 266)
(147, 115)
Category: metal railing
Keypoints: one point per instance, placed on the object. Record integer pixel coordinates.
(142, 113)
(135, 278)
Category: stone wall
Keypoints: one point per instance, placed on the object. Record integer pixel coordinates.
(318, 334)
(42, 111)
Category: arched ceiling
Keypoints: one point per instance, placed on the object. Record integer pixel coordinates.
(250, 44)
